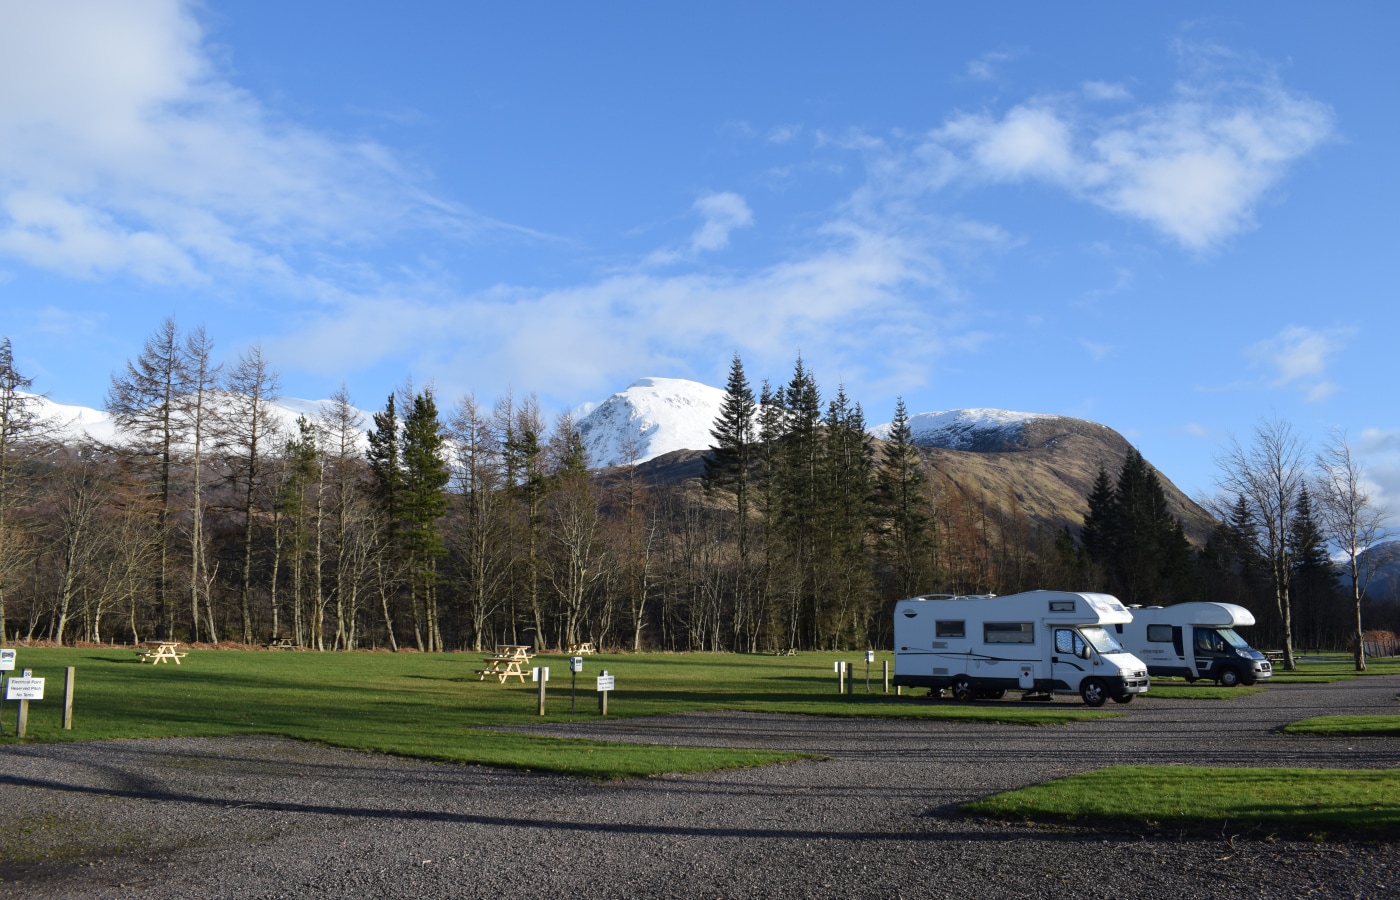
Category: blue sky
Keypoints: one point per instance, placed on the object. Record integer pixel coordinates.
(1174, 219)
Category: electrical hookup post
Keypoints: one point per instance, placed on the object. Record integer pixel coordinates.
(7, 664)
(575, 667)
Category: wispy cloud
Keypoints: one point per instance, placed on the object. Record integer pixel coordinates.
(720, 214)
(123, 150)
(1104, 91)
(1194, 168)
(1298, 357)
(984, 67)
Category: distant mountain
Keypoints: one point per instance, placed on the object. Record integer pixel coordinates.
(1048, 463)
(70, 423)
(1384, 586)
(652, 417)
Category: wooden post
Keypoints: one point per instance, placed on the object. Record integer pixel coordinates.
(887, 675)
(544, 674)
(23, 724)
(68, 676)
(840, 678)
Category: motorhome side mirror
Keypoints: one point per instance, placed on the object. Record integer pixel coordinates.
(1084, 652)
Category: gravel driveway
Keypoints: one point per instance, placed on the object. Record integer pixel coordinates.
(266, 817)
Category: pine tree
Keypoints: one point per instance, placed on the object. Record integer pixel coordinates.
(1098, 531)
(423, 502)
(900, 503)
(1314, 577)
(731, 456)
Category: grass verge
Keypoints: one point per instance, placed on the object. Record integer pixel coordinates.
(433, 706)
(1295, 801)
(1346, 726)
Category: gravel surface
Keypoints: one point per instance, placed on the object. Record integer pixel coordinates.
(266, 817)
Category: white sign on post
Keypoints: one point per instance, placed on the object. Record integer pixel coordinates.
(7, 660)
(24, 689)
(539, 672)
(605, 682)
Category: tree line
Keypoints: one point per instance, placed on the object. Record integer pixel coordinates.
(482, 524)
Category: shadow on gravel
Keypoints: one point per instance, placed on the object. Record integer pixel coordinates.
(448, 818)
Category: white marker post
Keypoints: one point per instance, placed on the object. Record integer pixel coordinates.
(605, 684)
(540, 674)
(869, 658)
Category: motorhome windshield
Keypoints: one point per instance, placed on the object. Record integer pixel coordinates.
(1100, 639)
(1234, 639)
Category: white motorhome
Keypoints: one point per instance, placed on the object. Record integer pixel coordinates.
(1196, 640)
(1039, 642)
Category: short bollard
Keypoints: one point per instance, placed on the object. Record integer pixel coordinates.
(886, 664)
(540, 674)
(840, 669)
(68, 677)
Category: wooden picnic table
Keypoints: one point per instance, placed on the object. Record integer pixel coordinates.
(514, 651)
(282, 644)
(161, 651)
(503, 667)
(581, 649)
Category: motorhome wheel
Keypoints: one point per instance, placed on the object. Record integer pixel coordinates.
(1123, 698)
(994, 694)
(962, 689)
(1093, 692)
(1229, 676)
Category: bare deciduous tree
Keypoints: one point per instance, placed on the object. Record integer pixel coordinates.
(1266, 477)
(248, 429)
(1350, 520)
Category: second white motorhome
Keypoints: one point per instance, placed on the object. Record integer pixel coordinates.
(1039, 642)
(1196, 640)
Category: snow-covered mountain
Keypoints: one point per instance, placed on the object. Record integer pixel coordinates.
(653, 416)
(964, 429)
(70, 423)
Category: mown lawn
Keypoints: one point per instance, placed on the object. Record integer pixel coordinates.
(1343, 726)
(1298, 801)
(433, 705)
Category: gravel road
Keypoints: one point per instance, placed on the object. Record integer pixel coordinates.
(265, 817)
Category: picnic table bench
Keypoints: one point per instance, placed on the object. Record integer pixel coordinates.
(581, 649)
(788, 651)
(282, 644)
(161, 651)
(505, 662)
(1274, 656)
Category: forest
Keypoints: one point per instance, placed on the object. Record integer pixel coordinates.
(467, 524)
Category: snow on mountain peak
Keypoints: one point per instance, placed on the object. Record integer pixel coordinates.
(651, 417)
(961, 429)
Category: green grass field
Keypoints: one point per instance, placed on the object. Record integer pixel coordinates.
(1299, 801)
(433, 705)
(1325, 668)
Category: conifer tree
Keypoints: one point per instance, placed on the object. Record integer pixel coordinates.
(1314, 577)
(900, 501)
(731, 456)
(423, 502)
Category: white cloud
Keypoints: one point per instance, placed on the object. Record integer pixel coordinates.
(1298, 357)
(722, 213)
(1103, 91)
(1098, 352)
(783, 134)
(1194, 168)
(844, 304)
(1195, 429)
(984, 67)
(124, 151)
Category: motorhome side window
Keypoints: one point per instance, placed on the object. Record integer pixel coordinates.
(1008, 633)
(947, 628)
(1162, 633)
